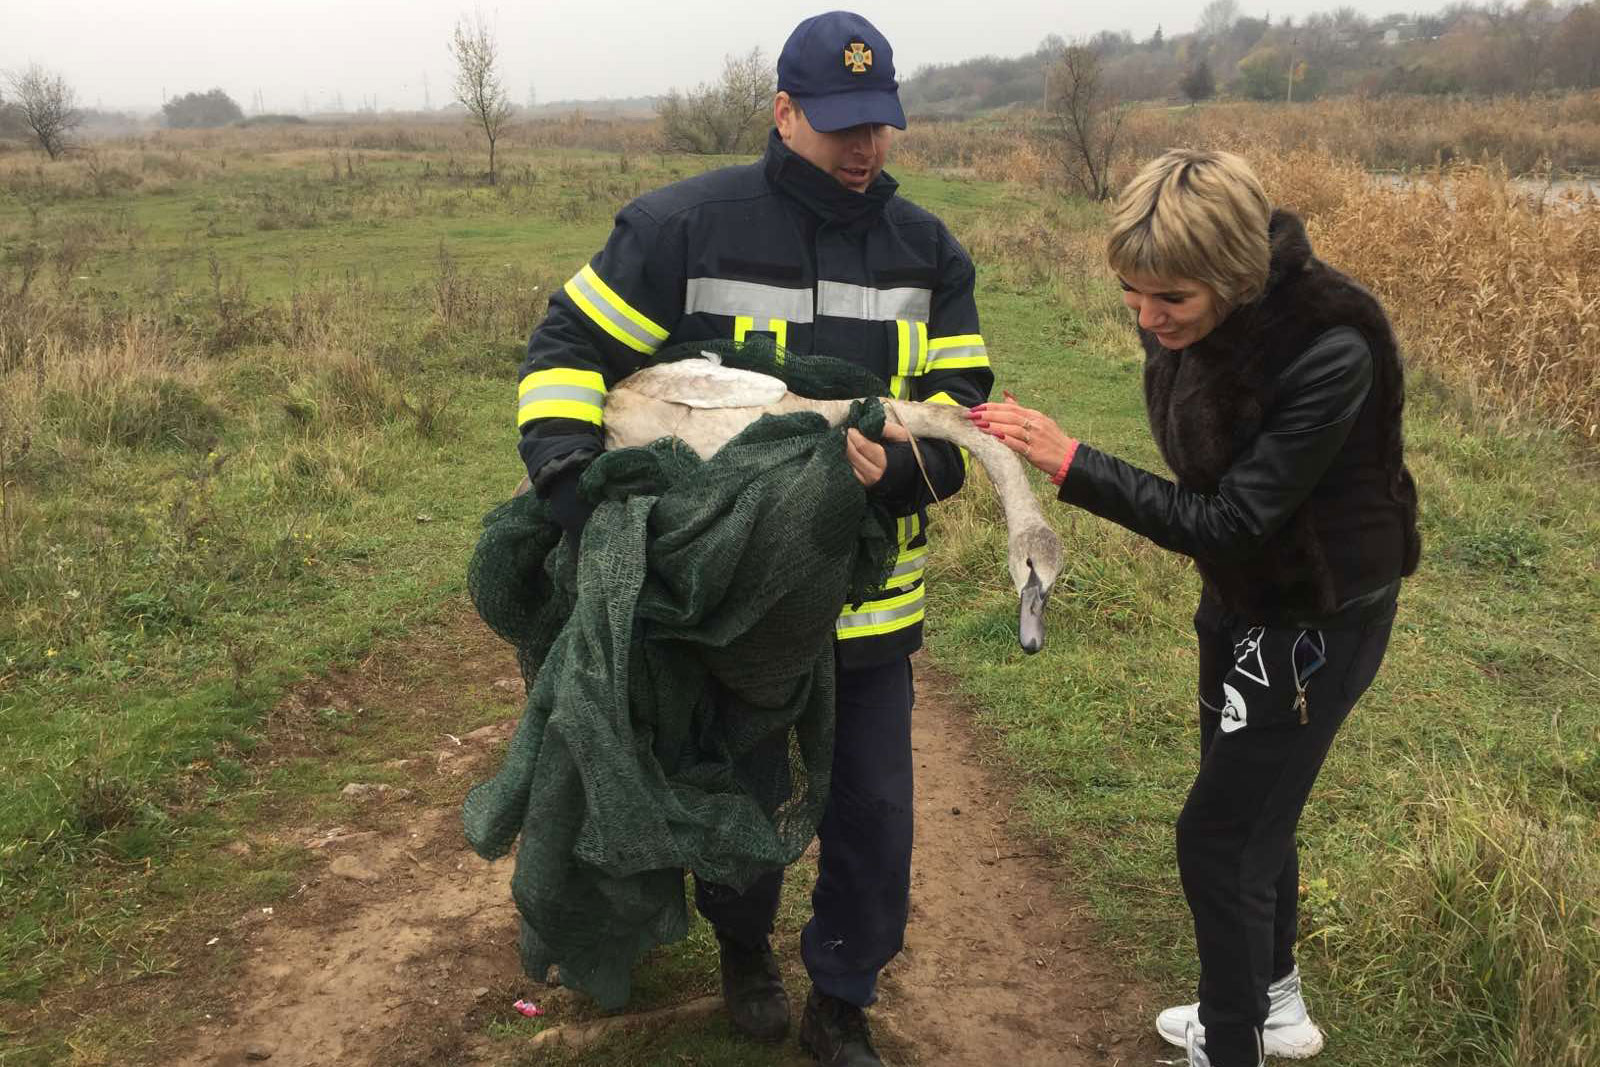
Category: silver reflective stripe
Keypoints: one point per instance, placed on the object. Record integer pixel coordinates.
(724, 296)
(964, 356)
(913, 563)
(597, 300)
(845, 301)
(564, 392)
(880, 621)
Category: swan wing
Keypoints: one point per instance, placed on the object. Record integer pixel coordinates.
(702, 383)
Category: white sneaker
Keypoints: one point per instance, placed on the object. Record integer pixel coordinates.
(1289, 1032)
(1194, 1043)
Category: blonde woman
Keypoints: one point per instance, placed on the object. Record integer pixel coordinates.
(1274, 392)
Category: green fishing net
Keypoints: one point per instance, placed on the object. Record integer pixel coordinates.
(679, 669)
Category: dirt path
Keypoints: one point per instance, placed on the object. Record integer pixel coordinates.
(999, 968)
(401, 944)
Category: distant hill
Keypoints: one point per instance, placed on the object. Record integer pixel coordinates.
(973, 85)
(1490, 49)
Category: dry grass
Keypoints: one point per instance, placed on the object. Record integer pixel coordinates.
(1526, 135)
(163, 159)
(1005, 149)
(1489, 286)
(133, 389)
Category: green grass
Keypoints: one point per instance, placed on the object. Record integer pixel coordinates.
(278, 463)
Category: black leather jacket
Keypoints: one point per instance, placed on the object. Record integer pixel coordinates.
(1283, 428)
(1267, 483)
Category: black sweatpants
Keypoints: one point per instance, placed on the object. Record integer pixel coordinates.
(1236, 835)
(862, 896)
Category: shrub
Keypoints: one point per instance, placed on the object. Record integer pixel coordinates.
(192, 110)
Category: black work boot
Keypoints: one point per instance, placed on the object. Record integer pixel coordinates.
(835, 1032)
(753, 990)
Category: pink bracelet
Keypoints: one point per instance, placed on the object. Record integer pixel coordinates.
(1061, 475)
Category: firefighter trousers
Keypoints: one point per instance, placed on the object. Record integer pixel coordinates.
(862, 894)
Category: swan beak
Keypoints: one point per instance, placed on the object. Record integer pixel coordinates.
(1030, 622)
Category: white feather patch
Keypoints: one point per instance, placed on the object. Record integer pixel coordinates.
(698, 383)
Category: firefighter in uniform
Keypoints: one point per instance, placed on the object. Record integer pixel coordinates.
(810, 246)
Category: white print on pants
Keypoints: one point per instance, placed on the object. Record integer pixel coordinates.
(1234, 710)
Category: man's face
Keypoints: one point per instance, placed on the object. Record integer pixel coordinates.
(854, 156)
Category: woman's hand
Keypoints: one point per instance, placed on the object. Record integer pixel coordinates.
(1030, 434)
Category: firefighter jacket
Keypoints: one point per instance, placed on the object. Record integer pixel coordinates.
(781, 248)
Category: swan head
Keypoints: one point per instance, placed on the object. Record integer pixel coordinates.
(1034, 561)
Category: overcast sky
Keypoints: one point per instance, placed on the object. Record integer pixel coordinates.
(312, 53)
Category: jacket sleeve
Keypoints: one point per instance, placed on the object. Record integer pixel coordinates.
(601, 326)
(955, 370)
(1320, 396)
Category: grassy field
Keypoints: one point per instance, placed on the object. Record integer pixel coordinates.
(254, 397)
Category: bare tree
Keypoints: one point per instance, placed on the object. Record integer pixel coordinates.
(730, 116)
(478, 85)
(1085, 120)
(48, 105)
(1217, 18)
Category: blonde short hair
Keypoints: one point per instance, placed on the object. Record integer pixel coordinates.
(1196, 215)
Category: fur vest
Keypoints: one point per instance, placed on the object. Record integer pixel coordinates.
(1206, 404)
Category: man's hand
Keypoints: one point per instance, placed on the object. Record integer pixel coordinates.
(866, 456)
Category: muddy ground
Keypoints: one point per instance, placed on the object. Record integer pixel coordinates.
(400, 947)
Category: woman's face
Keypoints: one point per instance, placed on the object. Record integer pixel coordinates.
(1179, 311)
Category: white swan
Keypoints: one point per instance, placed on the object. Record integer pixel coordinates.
(705, 405)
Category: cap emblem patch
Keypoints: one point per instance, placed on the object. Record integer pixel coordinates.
(858, 57)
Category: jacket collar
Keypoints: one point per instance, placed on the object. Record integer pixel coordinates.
(818, 191)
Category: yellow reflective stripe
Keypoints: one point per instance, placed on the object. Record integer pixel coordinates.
(960, 352)
(582, 379)
(897, 384)
(911, 349)
(908, 567)
(882, 616)
(640, 320)
(909, 527)
(559, 409)
(613, 314)
(561, 393)
(778, 328)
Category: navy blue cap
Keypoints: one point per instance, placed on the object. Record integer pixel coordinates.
(840, 70)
